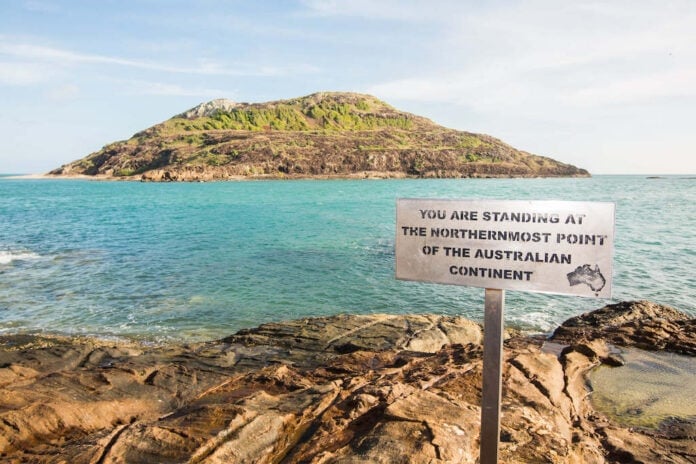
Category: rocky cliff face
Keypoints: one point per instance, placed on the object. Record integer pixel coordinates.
(320, 135)
(343, 389)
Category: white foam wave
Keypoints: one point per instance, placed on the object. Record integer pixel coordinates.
(7, 256)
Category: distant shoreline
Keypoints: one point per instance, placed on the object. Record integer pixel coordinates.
(369, 175)
(355, 176)
(51, 176)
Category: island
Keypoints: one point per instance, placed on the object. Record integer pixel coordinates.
(323, 135)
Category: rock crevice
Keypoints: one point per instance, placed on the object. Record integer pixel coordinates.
(342, 389)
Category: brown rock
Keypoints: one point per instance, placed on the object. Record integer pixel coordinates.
(378, 389)
(641, 324)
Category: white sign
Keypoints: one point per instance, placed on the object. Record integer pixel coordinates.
(541, 246)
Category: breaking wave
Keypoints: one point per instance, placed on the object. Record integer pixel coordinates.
(8, 256)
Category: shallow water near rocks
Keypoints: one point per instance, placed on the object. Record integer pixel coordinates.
(650, 388)
(200, 261)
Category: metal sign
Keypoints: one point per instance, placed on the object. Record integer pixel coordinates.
(540, 246)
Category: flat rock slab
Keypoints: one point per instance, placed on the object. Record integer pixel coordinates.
(348, 333)
(342, 389)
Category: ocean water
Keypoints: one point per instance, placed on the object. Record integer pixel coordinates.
(197, 261)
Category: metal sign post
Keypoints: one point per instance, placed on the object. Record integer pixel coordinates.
(563, 247)
(492, 375)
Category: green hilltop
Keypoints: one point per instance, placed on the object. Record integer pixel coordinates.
(327, 134)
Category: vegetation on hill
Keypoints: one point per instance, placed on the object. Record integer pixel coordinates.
(321, 135)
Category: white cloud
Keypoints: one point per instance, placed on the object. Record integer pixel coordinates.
(40, 6)
(542, 55)
(21, 73)
(271, 30)
(63, 93)
(45, 54)
(166, 89)
(389, 10)
(681, 83)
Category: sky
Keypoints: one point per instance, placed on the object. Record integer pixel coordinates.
(609, 86)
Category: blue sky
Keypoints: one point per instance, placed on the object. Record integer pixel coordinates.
(608, 86)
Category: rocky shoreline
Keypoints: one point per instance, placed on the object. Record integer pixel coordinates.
(377, 389)
(196, 175)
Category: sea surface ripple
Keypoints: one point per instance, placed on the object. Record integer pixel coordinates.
(195, 261)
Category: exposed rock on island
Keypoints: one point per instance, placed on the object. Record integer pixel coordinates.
(324, 135)
(377, 389)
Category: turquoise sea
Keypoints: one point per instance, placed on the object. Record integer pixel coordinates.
(196, 261)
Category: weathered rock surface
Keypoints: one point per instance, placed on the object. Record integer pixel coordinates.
(343, 389)
(640, 323)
